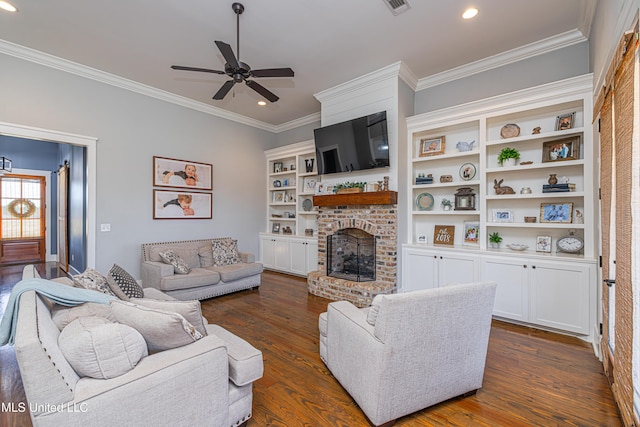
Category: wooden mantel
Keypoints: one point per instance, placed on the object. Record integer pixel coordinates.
(355, 199)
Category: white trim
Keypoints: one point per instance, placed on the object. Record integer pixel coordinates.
(311, 118)
(290, 150)
(549, 44)
(585, 18)
(47, 200)
(90, 144)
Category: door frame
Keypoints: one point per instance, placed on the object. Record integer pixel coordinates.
(90, 143)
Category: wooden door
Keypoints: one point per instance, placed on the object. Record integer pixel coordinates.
(22, 237)
(63, 244)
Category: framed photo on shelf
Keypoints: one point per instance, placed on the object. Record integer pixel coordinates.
(432, 146)
(422, 238)
(277, 167)
(565, 121)
(561, 149)
(471, 234)
(556, 212)
(543, 244)
(309, 184)
(275, 228)
(181, 174)
(502, 215)
(278, 196)
(181, 205)
(443, 234)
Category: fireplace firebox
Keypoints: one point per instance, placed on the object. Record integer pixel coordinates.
(351, 255)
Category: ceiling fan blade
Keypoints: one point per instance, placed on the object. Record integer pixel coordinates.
(226, 51)
(262, 90)
(202, 70)
(273, 72)
(224, 90)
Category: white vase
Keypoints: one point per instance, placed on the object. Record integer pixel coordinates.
(509, 162)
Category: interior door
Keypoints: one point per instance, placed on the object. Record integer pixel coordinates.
(63, 231)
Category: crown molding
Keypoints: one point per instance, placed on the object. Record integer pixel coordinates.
(585, 16)
(311, 118)
(549, 44)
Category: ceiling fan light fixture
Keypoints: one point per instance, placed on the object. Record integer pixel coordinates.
(8, 6)
(262, 103)
(470, 13)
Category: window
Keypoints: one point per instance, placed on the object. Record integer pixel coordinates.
(22, 199)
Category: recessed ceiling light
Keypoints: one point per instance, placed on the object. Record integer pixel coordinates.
(470, 13)
(7, 6)
(262, 103)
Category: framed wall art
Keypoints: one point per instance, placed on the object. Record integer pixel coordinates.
(556, 212)
(432, 146)
(181, 205)
(444, 234)
(182, 174)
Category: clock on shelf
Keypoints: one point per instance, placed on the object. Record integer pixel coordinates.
(570, 244)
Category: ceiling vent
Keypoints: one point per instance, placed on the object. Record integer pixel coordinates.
(397, 6)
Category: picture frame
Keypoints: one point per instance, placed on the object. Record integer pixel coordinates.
(422, 238)
(277, 167)
(471, 233)
(502, 215)
(561, 149)
(444, 235)
(432, 146)
(278, 196)
(176, 173)
(565, 121)
(168, 204)
(309, 184)
(543, 244)
(561, 212)
(468, 171)
(275, 228)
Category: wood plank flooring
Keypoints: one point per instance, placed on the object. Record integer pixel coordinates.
(533, 378)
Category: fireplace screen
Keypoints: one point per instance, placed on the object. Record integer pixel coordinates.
(351, 255)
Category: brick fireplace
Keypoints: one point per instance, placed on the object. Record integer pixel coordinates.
(374, 213)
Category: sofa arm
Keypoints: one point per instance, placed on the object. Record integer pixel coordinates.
(153, 272)
(247, 257)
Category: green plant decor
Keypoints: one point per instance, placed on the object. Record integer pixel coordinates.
(350, 185)
(508, 153)
(495, 237)
(445, 203)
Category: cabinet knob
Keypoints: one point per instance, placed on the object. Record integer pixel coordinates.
(533, 266)
(525, 266)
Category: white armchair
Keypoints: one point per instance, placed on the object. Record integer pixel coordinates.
(409, 351)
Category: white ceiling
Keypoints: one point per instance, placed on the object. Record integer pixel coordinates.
(326, 42)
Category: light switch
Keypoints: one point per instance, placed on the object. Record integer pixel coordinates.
(105, 227)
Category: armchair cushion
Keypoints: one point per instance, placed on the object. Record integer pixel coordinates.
(162, 330)
(98, 348)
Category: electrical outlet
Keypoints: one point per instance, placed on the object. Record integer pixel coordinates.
(105, 227)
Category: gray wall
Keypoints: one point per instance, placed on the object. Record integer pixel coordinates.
(299, 134)
(131, 129)
(557, 65)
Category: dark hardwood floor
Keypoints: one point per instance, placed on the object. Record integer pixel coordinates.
(533, 378)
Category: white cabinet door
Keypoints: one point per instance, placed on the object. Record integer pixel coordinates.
(420, 270)
(560, 295)
(281, 254)
(298, 256)
(457, 268)
(312, 256)
(266, 251)
(512, 293)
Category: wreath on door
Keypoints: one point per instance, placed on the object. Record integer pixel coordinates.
(21, 208)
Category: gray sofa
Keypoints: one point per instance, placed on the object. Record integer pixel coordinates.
(205, 383)
(205, 280)
(409, 351)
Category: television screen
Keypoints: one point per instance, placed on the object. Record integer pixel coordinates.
(353, 145)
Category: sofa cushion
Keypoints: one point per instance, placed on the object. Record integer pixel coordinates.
(198, 277)
(190, 310)
(229, 273)
(179, 265)
(98, 348)
(245, 361)
(63, 315)
(162, 330)
(206, 255)
(92, 280)
(188, 253)
(122, 284)
(225, 252)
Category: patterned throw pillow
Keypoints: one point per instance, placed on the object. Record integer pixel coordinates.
(225, 252)
(179, 266)
(93, 281)
(123, 284)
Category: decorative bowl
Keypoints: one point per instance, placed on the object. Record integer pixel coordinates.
(517, 246)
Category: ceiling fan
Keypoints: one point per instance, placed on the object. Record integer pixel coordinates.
(239, 71)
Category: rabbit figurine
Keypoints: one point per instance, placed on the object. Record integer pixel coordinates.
(465, 146)
(502, 190)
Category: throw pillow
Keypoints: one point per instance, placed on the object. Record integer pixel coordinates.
(179, 266)
(190, 310)
(97, 348)
(63, 315)
(92, 280)
(123, 285)
(372, 316)
(162, 330)
(225, 252)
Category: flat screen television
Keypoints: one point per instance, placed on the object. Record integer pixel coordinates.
(354, 145)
